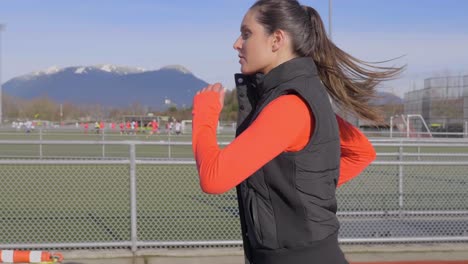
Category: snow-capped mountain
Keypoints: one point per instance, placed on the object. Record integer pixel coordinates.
(48, 71)
(108, 85)
(121, 70)
(177, 68)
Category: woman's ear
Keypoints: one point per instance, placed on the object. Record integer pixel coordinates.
(279, 40)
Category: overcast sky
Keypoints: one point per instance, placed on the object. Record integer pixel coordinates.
(431, 35)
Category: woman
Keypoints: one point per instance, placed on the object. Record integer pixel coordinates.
(291, 150)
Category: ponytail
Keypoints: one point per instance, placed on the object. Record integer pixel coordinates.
(351, 82)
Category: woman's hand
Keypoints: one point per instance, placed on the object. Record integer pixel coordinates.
(218, 88)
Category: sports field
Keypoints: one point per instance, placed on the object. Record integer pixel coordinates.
(57, 202)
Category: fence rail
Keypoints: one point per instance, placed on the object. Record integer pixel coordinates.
(137, 200)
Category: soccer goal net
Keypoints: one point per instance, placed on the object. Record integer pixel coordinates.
(410, 126)
(186, 126)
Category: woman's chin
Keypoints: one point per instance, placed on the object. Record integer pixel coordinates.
(246, 71)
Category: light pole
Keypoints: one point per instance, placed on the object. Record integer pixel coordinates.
(330, 19)
(61, 114)
(2, 27)
(391, 126)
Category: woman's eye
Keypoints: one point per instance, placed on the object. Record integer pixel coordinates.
(245, 35)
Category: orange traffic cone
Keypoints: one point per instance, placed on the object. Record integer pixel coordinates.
(29, 256)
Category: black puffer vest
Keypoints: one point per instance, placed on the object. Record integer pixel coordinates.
(288, 207)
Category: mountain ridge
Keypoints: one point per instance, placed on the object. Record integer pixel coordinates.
(109, 85)
(120, 86)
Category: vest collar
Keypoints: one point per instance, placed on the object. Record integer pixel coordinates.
(261, 85)
(285, 72)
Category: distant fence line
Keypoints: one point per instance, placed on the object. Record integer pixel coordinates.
(122, 196)
(226, 129)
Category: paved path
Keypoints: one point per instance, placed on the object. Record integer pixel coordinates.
(356, 254)
(415, 262)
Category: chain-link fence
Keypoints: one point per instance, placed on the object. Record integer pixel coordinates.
(416, 191)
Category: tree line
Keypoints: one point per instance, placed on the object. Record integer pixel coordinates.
(44, 108)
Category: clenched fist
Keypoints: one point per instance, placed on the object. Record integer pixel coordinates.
(217, 87)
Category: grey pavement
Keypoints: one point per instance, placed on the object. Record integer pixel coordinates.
(354, 253)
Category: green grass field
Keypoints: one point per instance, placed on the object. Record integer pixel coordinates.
(70, 203)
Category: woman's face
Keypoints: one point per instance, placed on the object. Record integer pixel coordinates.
(254, 46)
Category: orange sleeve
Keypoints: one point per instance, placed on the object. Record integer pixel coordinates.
(356, 151)
(275, 130)
(284, 125)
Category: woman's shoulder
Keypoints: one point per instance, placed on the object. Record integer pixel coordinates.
(289, 106)
(289, 101)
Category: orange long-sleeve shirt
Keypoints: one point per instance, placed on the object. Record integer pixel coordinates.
(284, 125)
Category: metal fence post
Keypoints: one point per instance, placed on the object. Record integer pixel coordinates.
(169, 147)
(133, 202)
(466, 129)
(419, 152)
(400, 177)
(40, 145)
(103, 145)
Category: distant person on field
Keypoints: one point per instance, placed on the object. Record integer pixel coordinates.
(128, 127)
(171, 127)
(132, 127)
(97, 127)
(28, 126)
(85, 127)
(122, 128)
(154, 126)
(178, 127)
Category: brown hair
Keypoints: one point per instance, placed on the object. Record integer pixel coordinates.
(350, 81)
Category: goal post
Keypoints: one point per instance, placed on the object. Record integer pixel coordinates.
(410, 126)
(186, 126)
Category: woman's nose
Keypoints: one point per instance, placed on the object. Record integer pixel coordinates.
(237, 44)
